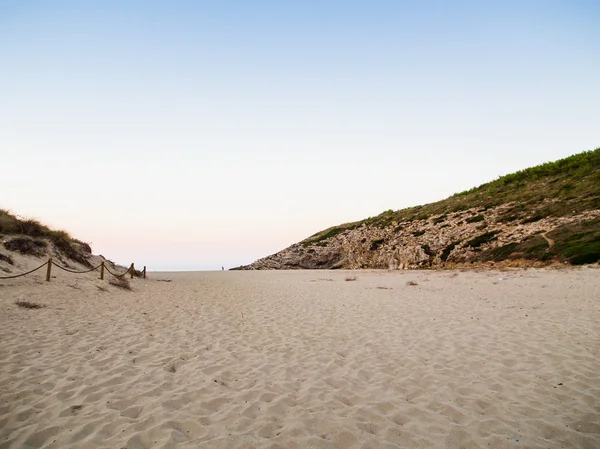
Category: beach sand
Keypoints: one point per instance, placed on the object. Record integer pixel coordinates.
(304, 359)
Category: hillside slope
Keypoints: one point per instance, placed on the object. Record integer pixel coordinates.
(26, 243)
(545, 214)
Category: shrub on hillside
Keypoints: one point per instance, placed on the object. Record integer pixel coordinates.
(85, 247)
(324, 236)
(447, 250)
(376, 244)
(578, 244)
(440, 219)
(33, 228)
(27, 246)
(475, 219)
(8, 223)
(482, 239)
(65, 244)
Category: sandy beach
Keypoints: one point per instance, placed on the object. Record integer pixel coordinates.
(304, 359)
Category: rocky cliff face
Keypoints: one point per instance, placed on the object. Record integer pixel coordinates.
(540, 215)
(473, 235)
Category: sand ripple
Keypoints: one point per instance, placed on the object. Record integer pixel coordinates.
(287, 360)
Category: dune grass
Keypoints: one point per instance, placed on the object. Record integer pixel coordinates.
(31, 234)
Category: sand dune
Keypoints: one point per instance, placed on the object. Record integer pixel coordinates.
(303, 360)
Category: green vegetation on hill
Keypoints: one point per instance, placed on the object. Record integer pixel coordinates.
(562, 188)
(324, 235)
(31, 234)
(574, 182)
(576, 244)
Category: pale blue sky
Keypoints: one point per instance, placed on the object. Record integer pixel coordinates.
(191, 135)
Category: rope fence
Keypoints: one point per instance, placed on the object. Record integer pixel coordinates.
(121, 275)
(24, 274)
(103, 267)
(73, 271)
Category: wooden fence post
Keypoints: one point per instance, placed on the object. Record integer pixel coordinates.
(49, 270)
(102, 271)
(132, 270)
(144, 271)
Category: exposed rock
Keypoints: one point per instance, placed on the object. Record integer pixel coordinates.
(418, 243)
(297, 257)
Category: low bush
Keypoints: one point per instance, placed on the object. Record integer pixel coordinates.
(482, 239)
(440, 219)
(75, 250)
(323, 236)
(376, 244)
(27, 246)
(33, 228)
(475, 219)
(447, 250)
(579, 244)
(575, 243)
(8, 223)
(65, 244)
(501, 252)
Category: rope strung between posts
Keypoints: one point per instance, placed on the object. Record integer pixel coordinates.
(24, 274)
(102, 267)
(115, 274)
(73, 271)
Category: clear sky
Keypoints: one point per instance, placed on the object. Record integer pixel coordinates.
(201, 134)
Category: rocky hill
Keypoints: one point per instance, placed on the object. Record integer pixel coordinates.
(541, 215)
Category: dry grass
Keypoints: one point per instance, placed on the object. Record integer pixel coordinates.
(411, 283)
(120, 282)
(73, 249)
(27, 246)
(29, 305)
(6, 259)
(351, 278)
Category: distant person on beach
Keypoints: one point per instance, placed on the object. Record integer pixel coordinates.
(222, 268)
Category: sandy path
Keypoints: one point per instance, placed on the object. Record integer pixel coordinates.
(304, 360)
(548, 239)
